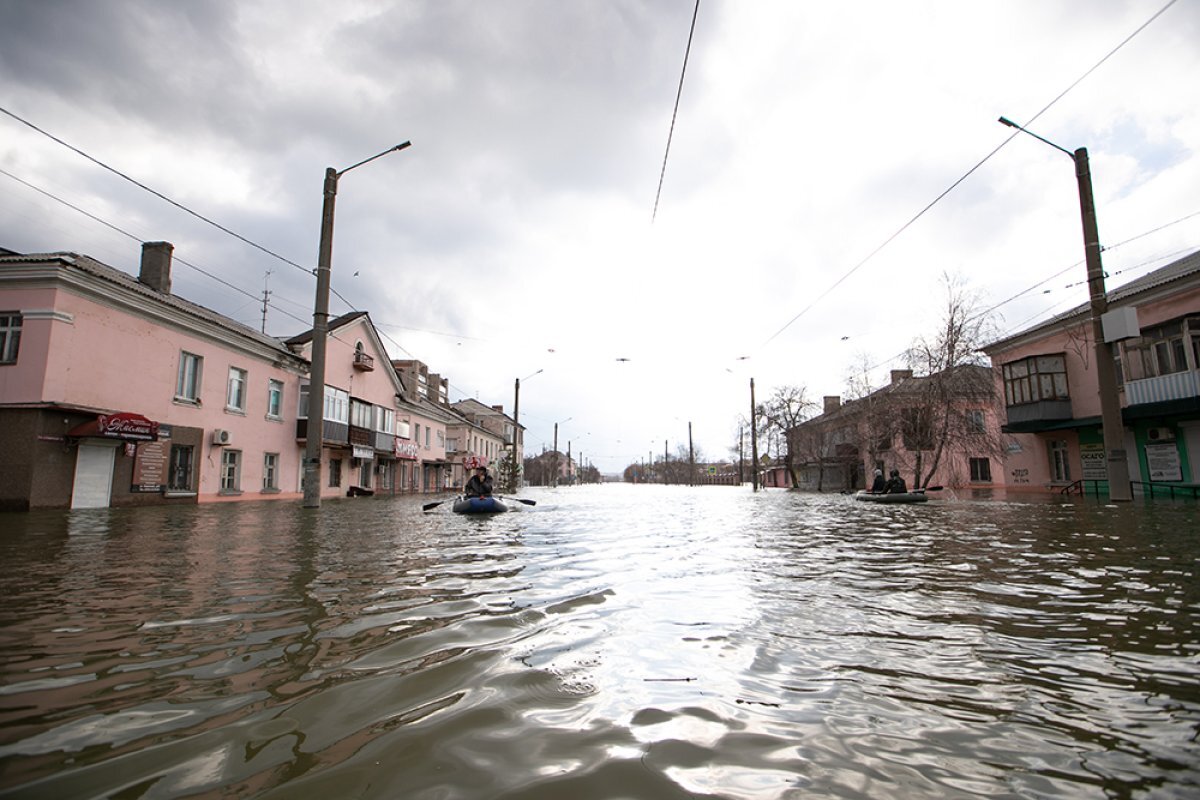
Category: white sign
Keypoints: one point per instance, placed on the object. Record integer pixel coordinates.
(1095, 466)
(1162, 461)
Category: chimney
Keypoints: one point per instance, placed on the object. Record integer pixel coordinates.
(498, 408)
(156, 266)
(900, 374)
(832, 403)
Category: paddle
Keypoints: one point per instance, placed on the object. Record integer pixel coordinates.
(431, 506)
(523, 500)
(925, 489)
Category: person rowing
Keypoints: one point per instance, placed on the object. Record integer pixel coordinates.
(480, 484)
(895, 484)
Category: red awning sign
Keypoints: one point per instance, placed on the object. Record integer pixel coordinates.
(130, 427)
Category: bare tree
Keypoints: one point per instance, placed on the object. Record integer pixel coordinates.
(786, 408)
(953, 379)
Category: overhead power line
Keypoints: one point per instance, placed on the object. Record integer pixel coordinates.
(156, 193)
(674, 113)
(967, 174)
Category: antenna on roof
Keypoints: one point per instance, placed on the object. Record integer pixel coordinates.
(266, 296)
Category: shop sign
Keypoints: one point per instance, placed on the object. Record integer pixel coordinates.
(365, 453)
(1095, 466)
(475, 462)
(407, 450)
(1162, 462)
(127, 426)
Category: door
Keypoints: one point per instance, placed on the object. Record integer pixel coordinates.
(93, 475)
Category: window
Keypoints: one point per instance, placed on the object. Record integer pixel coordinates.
(231, 473)
(426, 437)
(385, 420)
(916, 428)
(981, 470)
(441, 438)
(179, 468)
(270, 472)
(362, 415)
(974, 419)
(187, 385)
(335, 472)
(1165, 349)
(274, 399)
(1035, 379)
(452, 445)
(417, 433)
(337, 405)
(235, 398)
(1060, 467)
(10, 336)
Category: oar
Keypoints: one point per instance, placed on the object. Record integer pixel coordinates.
(522, 500)
(925, 489)
(431, 506)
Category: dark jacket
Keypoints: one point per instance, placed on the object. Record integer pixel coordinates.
(479, 487)
(895, 485)
(880, 485)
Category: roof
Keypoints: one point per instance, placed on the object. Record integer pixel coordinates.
(1176, 271)
(334, 324)
(130, 284)
(969, 375)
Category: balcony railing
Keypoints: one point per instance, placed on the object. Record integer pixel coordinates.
(1176, 386)
(363, 361)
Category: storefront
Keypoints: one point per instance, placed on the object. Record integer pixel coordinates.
(120, 459)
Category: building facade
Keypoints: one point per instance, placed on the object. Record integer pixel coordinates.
(114, 391)
(1051, 402)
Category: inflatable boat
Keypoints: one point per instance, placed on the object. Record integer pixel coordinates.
(479, 505)
(899, 497)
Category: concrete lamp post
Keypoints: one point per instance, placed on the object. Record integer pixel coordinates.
(314, 434)
(1113, 428)
(554, 479)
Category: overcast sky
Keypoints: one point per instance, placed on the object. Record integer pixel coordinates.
(516, 235)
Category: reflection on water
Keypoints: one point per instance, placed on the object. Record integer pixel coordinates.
(615, 641)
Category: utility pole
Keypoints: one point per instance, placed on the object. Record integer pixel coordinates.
(741, 455)
(753, 440)
(266, 296)
(691, 459)
(1112, 427)
(666, 460)
(314, 434)
(1106, 373)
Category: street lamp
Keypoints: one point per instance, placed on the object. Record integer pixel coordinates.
(1112, 428)
(316, 384)
(516, 475)
(554, 480)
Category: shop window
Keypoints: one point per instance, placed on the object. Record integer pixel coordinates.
(179, 478)
(231, 470)
(10, 336)
(187, 383)
(981, 470)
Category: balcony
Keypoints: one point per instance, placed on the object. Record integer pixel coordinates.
(1037, 416)
(1164, 388)
(363, 362)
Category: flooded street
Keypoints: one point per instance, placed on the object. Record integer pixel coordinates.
(613, 642)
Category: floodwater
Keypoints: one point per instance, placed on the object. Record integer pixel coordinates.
(612, 642)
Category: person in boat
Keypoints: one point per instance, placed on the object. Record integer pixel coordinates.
(895, 484)
(880, 484)
(480, 484)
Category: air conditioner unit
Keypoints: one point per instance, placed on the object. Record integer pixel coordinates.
(1160, 434)
(221, 437)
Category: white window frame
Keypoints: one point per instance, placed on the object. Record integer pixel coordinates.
(191, 374)
(274, 399)
(10, 336)
(270, 477)
(235, 392)
(231, 470)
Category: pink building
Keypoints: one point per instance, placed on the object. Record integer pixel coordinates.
(114, 391)
(1052, 401)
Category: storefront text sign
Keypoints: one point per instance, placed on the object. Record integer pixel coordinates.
(1162, 462)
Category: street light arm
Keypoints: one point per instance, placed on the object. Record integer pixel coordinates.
(400, 146)
(1011, 124)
